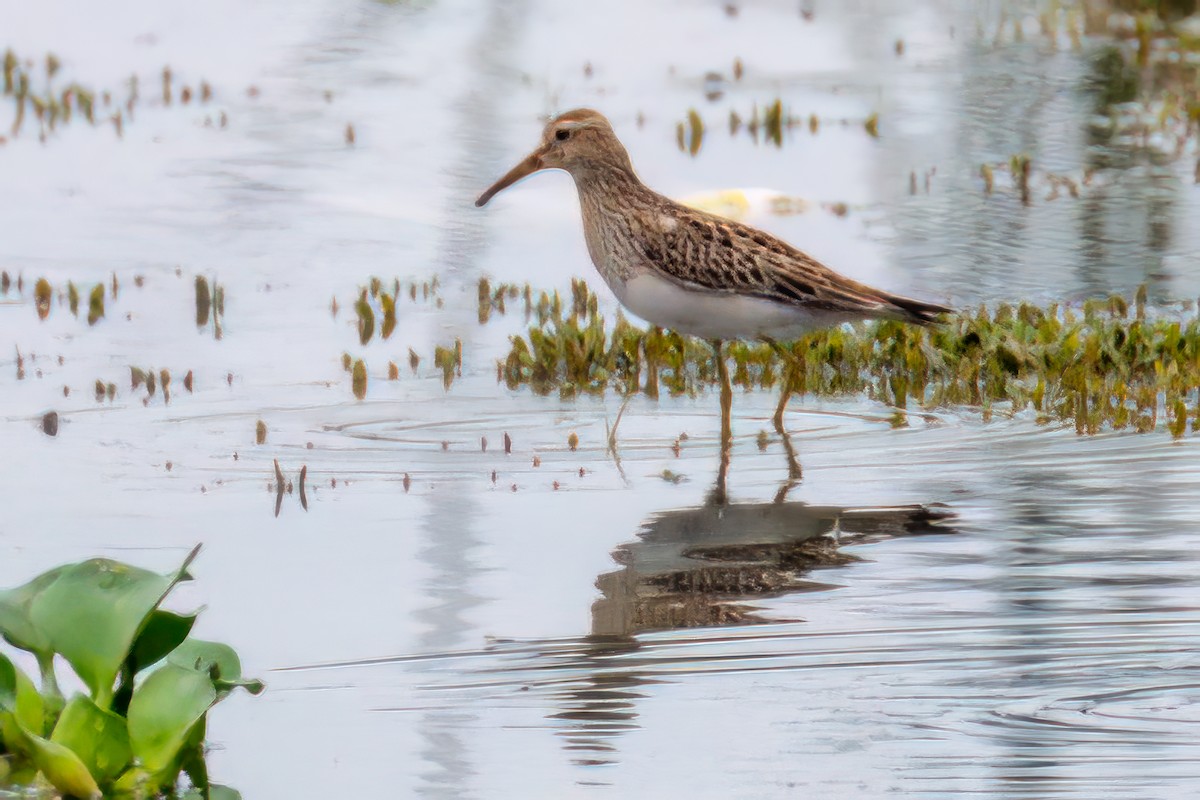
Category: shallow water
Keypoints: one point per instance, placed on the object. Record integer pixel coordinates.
(946, 608)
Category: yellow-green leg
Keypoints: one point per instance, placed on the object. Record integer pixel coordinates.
(790, 370)
(720, 495)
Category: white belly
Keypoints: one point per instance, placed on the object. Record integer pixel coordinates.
(713, 315)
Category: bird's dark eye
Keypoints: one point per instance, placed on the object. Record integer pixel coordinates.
(562, 134)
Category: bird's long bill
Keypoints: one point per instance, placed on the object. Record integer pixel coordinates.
(531, 164)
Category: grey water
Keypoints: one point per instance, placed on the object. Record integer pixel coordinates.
(955, 607)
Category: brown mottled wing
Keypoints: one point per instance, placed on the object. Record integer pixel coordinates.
(726, 256)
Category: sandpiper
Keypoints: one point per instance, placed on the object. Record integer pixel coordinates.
(694, 272)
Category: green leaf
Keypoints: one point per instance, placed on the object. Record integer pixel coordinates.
(203, 656)
(99, 737)
(27, 706)
(215, 792)
(163, 710)
(93, 613)
(62, 767)
(191, 759)
(162, 633)
(219, 661)
(15, 622)
(8, 684)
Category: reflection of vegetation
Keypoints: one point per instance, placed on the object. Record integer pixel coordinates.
(1165, 9)
(1101, 366)
(142, 722)
(1156, 65)
(1112, 80)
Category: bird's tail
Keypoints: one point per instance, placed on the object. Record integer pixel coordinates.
(916, 311)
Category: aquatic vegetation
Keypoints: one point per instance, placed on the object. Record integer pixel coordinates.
(690, 137)
(39, 95)
(42, 297)
(1107, 365)
(147, 378)
(375, 305)
(358, 379)
(770, 123)
(871, 126)
(109, 390)
(210, 303)
(141, 723)
(495, 298)
(376, 315)
(449, 361)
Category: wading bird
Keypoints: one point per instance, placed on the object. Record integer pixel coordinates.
(697, 273)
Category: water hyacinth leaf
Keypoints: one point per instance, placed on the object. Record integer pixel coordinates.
(191, 759)
(16, 624)
(98, 737)
(65, 771)
(215, 792)
(8, 684)
(20, 703)
(162, 633)
(163, 710)
(210, 658)
(219, 661)
(93, 612)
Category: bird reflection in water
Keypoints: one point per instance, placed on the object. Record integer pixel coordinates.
(702, 567)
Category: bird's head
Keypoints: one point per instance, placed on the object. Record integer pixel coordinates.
(580, 141)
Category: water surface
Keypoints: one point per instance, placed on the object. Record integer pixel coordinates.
(947, 608)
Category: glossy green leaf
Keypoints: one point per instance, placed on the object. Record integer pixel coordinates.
(164, 708)
(62, 768)
(97, 736)
(93, 613)
(162, 633)
(16, 624)
(20, 702)
(8, 684)
(219, 661)
(191, 759)
(203, 656)
(215, 792)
